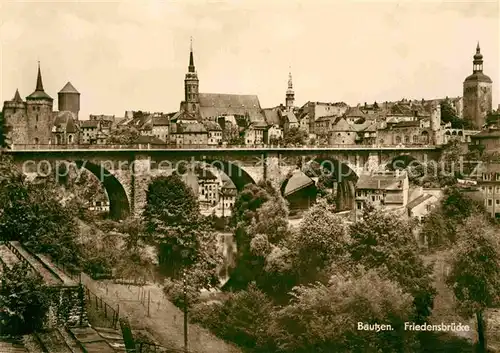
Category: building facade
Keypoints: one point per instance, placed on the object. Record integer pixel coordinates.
(386, 189)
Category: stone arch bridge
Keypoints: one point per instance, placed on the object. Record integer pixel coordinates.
(126, 172)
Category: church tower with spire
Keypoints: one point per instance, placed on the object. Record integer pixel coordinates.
(191, 87)
(290, 94)
(477, 93)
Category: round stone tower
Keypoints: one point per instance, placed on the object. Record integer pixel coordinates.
(39, 109)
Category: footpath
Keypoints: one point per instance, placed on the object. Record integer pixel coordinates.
(164, 322)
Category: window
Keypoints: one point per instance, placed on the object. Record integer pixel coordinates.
(36, 118)
(398, 139)
(407, 139)
(359, 205)
(70, 139)
(415, 139)
(490, 189)
(497, 202)
(497, 189)
(490, 202)
(498, 177)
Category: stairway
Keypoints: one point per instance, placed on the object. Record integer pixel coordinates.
(11, 346)
(7, 257)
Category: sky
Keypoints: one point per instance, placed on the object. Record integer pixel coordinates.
(133, 55)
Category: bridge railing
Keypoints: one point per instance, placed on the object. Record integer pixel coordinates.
(40, 147)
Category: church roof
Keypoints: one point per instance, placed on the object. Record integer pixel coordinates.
(217, 104)
(478, 77)
(69, 88)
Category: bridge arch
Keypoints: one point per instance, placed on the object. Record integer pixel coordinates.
(238, 175)
(119, 204)
(402, 161)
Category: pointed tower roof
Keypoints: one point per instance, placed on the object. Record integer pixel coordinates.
(191, 67)
(69, 88)
(290, 83)
(478, 55)
(39, 92)
(17, 97)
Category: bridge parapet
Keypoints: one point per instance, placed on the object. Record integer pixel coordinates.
(142, 147)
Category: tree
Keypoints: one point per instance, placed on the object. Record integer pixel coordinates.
(24, 300)
(295, 137)
(260, 218)
(172, 217)
(324, 318)
(232, 134)
(440, 227)
(475, 271)
(33, 214)
(320, 241)
(123, 136)
(241, 318)
(449, 115)
(384, 241)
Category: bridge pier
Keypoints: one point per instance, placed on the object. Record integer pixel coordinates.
(140, 179)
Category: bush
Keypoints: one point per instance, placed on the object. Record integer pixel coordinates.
(174, 290)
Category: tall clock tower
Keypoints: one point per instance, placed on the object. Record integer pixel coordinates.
(477, 93)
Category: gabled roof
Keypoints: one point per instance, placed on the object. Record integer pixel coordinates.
(163, 121)
(89, 123)
(297, 181)
(217, 104)
(68, 88)
(205, 174)
(290, 117)
(419, 200)
(183, 116)
(271, 116)
(259, 125)
(355, 112)
(342, 125)
(66, 121)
